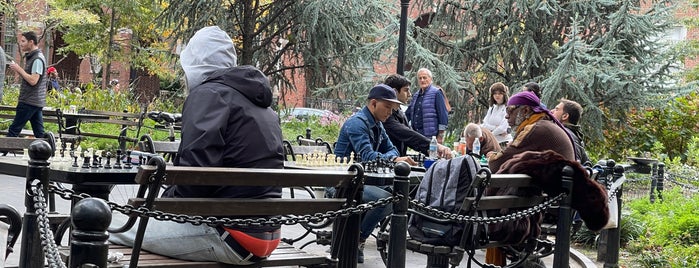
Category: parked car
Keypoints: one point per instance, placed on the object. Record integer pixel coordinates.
(305, 113)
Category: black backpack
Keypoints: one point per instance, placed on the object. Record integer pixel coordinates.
(445, 186)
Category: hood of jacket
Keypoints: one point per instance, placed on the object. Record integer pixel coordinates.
(247, 80)
(209, 50)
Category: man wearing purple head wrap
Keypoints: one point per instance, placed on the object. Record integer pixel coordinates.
(535, 129)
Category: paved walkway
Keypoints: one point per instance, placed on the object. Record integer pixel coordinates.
(12, 192)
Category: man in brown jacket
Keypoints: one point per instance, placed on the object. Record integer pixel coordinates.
(488, 141)
(535, 130)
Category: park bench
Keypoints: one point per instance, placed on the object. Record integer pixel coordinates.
(18, 144)
(349, 184)
(7, 114)
(291, 152)
(475, 236)
(168, 149)
(306, 140)
(127, 122)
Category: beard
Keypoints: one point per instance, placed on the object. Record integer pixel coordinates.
(519, 119)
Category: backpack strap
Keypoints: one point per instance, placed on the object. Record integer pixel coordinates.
(446, 183)
(429, 185)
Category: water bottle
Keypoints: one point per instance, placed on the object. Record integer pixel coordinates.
(433, 148)
(477, 146)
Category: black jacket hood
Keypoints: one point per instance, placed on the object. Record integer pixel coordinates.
(247, 80)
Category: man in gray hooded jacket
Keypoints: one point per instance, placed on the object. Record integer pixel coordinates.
(226, 122)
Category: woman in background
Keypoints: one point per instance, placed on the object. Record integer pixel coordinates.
(495, 117)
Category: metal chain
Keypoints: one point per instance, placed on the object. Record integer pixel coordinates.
(689, 187)
(69, 194)
(612, 195)
(487, 220)
(47, 240)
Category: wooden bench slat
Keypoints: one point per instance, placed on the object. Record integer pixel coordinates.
(166, 146)
(504, 201)
(309, 149)
(114, 114)
(247, 177)
(112, 121)
(509, 180)
(242, 206)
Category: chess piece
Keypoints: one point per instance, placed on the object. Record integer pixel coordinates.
(117, 160)
(128, 160)
(86, 161)
(75, 159)
(109, 158)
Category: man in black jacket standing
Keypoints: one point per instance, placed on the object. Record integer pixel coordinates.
(397, 127)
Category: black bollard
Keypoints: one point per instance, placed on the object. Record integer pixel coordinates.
(399, 219)
(561, 256)
(88, 246)
(32, 254)
(607, 182)
(345, 239)
(308, 133)
(653, 182)
(661, 180)
(614, 235)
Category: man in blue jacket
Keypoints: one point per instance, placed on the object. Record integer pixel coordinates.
(397, 127)
(427, 112)
(363, 134)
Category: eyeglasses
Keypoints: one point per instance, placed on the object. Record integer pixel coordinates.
(510, 109)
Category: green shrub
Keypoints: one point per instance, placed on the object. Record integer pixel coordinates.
(327, 129)
(671, 230)
(631, 228)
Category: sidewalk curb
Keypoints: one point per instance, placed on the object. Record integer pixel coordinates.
(581, 259)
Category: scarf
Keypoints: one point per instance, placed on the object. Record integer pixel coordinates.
(531, 120)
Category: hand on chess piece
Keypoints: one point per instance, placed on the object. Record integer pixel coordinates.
(406, 159)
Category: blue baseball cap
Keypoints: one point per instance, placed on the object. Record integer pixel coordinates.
(383, 92)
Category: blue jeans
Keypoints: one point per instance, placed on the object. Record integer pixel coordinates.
(26, 112)
(372, 217)
(178, 240)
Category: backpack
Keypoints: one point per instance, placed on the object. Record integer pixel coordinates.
(444, 187)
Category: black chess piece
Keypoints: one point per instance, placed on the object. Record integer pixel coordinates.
(117, 160)
(63, 149)
(109, 158)
(128, 160)
(95, 161)
(75, 159)
(86, 161)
